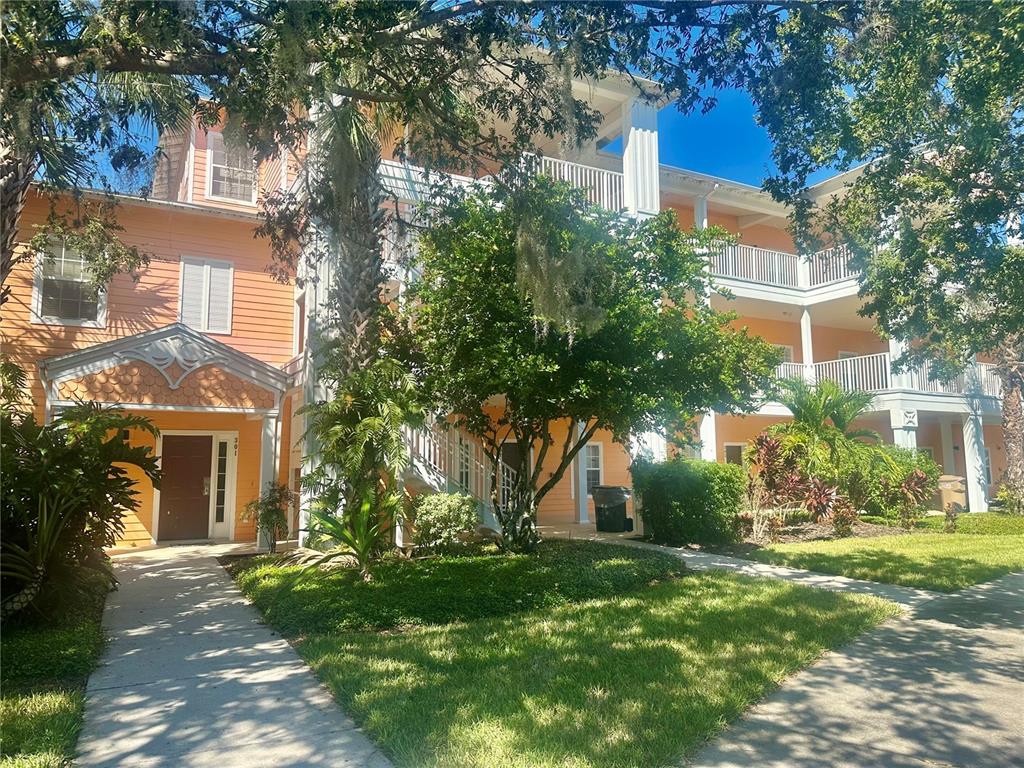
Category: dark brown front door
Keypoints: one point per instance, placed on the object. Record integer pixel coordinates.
(185, 489)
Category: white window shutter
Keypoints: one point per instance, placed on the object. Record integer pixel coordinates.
(219, 314)
(193, 281)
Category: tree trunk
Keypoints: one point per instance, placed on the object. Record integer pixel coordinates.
(1010, 368)
(15, 177)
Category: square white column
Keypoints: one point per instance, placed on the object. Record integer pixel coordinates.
(640, 164)
(708, 437)
(904, 428)
(948, 454)
(807, 345)
(582, 507)
(270, 459)
(974, 454)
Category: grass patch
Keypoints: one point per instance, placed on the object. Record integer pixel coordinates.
(939, 561)
(979, 524)
(445, 589)
(632, 677)
(43, 676)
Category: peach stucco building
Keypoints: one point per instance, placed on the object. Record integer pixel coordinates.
(208, 345)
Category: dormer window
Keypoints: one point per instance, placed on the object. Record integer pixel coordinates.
(230, 171)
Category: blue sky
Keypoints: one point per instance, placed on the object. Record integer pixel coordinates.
(725, 142)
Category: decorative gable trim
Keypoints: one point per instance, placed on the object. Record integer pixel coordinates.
(174, 350)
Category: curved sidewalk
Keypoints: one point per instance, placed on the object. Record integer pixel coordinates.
(192, 678)
(940, 686)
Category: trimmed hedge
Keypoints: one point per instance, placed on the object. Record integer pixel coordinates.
(688, 501)
(444, 521)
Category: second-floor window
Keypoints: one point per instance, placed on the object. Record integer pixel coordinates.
(593, 466)
(64, 294)
(231, 172)
(205, 297)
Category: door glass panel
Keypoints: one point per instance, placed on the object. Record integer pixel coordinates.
(222, 477)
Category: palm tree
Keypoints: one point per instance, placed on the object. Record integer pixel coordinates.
(820, 435)
(826, 403)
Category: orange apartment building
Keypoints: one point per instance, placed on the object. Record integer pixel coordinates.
(212, 349)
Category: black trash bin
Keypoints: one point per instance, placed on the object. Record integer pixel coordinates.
(610, 504)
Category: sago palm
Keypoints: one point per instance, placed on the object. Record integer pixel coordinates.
(817, 406)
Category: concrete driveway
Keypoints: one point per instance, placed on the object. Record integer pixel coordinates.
(192, 678)
(941, 686)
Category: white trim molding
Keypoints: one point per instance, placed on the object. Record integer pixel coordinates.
(168, 349)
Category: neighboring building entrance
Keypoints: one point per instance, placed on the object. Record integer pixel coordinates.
(185, 490)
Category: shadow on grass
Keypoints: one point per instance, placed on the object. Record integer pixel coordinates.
(631, 681)
(442, 590)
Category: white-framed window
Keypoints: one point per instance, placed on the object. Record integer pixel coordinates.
(230, 171)
(594, 458)
(787, 352)
(986, 457)
(844, 354)
(62, 293)
(204, 299)
(734, 453)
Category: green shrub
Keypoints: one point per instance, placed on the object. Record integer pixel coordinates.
(444, 521)
(66, 490)
(270, 512)
(687, 501)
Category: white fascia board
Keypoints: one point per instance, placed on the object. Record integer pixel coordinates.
(840, 289)
(748, 289)
(944, 402)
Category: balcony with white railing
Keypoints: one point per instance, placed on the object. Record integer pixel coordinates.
(873, 373)
(758, 265)
(779, 268)
(602, 187)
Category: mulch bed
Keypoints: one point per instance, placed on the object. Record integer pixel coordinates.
(811, 532)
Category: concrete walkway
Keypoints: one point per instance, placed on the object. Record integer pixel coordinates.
(192, 678)
(943, 685)
(906, 597)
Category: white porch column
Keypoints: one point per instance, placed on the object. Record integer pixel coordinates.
(582, 507)
(270, 458)
(898, 380)
(708, 431)
(948, 457)
(640, 166)
(974, 454)
(708, 437)
(904, 428)
(807, 345)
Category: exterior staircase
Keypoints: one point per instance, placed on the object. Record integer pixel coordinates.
(449, 461)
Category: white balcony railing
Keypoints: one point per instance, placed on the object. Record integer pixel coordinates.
(602, 187)
(791, 371)
(988, 383)
(867, 372)
(831, 265)
(759, 265)
(873, 373)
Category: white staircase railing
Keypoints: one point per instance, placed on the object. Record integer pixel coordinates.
(457, 463)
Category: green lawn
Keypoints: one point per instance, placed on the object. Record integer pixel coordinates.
(446, 589)
(43, 676)
(939, 561)
(608, 669)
